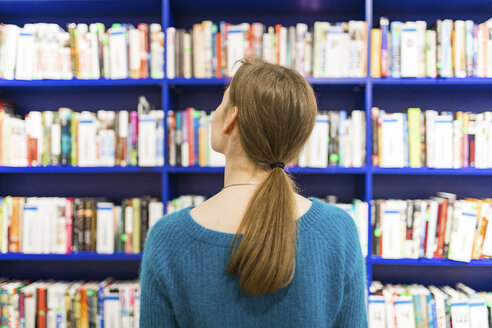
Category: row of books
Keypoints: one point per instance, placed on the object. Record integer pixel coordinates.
(56, 225)
(428, 138)
(183, 202)
(323, 50)
(47, 51)
(449, 48)
(108, 303)
(415, 306)
(337, 139)
(439, 227)
(65, 137)
(359, 211)
(189, 139)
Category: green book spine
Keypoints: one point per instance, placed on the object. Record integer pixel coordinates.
(73, 132)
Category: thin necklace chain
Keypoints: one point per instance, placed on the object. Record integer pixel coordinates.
(241, 184)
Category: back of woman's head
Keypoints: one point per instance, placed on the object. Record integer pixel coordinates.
(276, 114)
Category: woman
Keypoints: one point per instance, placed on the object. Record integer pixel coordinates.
(256, 254)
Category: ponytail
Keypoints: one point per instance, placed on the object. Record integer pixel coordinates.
(276, 114)
(264, 260)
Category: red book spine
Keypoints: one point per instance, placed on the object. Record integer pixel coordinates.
(250, 51)
(41, 309)
(69, 222)
(278, 28)
(191, 135)
(471, 139)
(218, 53)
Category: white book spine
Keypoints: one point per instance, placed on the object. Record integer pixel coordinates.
(8, 51)
(421, 36)
(443, 141)
(358, 138)
(94, 71)
(86, 140)
(207, 45)
(156, 211)
(409, 50)
(308, 54)
(390, 227)
(430, 138)
(392, 140)
(187, 55)
(481, 142)
(404, 311)
(319, 147)
(301, 30)
(457, 143)
(376, 314)
(147, 149)
(235, 48)
(461, 244)
(25, 55)
(134, 52)
(489, 49)
(488, 123)
(118, 53)
(170, 52)
(105, 228)
(30, 226)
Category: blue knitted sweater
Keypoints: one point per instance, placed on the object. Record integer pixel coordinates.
(185, 283)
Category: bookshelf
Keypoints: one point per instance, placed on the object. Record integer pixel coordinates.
(169, 182)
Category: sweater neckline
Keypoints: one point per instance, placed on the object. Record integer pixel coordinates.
(216, 237)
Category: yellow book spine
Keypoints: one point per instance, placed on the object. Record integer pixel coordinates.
(136, 225)
(414, 144)
(376, 52)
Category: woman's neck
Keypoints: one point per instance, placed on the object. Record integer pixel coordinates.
(242, 170)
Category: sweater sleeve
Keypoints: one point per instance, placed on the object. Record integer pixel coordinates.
(155, 306)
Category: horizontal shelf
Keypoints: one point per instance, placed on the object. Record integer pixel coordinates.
(207, 169)
(431, 171)
(427, 262)
(80, 256)
(432, 81)
(194, 169)
(292, 169)
(181, 81)
(79, 83)
(76, 169)
(327, 170)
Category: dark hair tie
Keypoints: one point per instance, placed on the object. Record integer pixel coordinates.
(277, 164)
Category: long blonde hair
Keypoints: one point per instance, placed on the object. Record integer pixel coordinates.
(276, 114)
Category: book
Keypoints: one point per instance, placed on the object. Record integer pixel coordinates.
(57, 225)
(419, 306)
(85, 139)
(83, 51)
(445, 49)
(446, 140)
(216, 48)
(440, 227)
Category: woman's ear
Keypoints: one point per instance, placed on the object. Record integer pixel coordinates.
(230, 120)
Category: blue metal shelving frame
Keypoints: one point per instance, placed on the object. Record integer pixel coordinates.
(171, 13)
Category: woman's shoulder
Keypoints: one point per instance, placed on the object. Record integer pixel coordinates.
(330, 220)
(168, 229)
